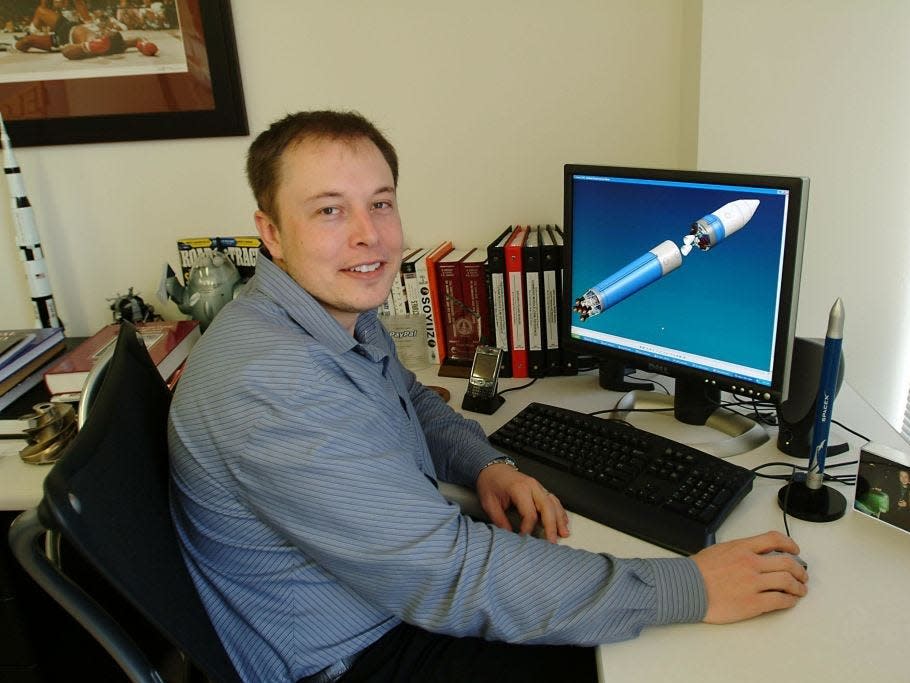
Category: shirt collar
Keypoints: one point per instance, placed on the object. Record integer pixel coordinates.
(302, 308)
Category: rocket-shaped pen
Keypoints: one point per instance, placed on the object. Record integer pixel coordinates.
(27, 239)
(827, 388)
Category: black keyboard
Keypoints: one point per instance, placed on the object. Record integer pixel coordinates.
(643, 484)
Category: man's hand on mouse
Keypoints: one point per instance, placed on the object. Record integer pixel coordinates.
(742, 581)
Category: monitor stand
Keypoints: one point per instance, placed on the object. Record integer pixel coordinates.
(745, 434)
(693, 402)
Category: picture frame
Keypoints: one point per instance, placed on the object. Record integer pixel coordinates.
(882, 488)
(190, 88)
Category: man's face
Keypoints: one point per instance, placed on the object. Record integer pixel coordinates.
(904, 477)
(337, 232)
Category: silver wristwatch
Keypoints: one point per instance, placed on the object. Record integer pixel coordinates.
(502, 460)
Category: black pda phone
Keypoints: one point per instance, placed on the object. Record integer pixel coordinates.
(481, 396)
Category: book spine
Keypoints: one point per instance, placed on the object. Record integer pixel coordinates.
(422, 283)
(436, 337)
(568, 360)
(10, 397)
(386, 307)
(399, 297)
(451, 303)
(474, 283)
(39, 361)
(412, 291)
(516, 301)
(37, 347)
(551, 303)
(534, 304)
(499, 308)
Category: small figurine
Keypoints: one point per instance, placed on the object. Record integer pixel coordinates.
(132, 308)
(213, 282)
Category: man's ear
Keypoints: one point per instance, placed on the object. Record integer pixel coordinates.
(268, 232)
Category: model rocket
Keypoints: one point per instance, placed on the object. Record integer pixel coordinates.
(666, 257)
(27, 239)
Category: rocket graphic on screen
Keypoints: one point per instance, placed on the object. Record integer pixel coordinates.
(705, 233)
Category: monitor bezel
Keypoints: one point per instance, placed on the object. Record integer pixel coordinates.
(797, 186)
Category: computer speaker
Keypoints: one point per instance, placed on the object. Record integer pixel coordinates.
(796, 415)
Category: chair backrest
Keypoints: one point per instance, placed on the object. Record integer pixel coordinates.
(108, 498)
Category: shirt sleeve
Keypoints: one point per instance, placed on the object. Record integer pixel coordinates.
(330, 471)
(458, 445)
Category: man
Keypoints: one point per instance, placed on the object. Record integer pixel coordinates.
(305, 459)
(79, 35)
(903, 491)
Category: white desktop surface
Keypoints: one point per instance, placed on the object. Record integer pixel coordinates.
(20, 484)
(851, 626)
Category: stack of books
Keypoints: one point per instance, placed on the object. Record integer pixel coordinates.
(24, 357)
(168, 341)
(506, 294)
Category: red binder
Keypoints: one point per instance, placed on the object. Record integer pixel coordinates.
(515, 290)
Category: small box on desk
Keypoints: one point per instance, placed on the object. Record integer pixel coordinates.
(883, 485)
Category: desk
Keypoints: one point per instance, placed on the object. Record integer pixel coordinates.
(850, 627)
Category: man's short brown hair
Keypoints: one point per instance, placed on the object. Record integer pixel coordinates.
(263, 162)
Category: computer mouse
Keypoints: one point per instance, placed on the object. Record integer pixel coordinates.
(795, 557)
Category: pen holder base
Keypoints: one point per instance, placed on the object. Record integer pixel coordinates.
(812, 505)
(486, 405)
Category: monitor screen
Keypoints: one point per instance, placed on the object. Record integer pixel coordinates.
(689, 274)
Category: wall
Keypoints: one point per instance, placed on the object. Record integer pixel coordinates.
(485, 102)
(818, 88)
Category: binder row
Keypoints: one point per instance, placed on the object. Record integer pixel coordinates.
(507, 295)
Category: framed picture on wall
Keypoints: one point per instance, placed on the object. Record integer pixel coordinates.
(80, 71)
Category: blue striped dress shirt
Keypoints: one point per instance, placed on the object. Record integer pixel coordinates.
(303, 465)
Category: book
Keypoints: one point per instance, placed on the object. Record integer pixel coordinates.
(549, 271)
(11, 341)
(168, 341)
(530, 255)
(397, 295)
(476, 328)
(568, 360)
(243, 252)
(456, 326)
(515, 297)
(498, 305)
(39, 341)
(409, 277)
(26, 385)
(32, 366)
(436, 345)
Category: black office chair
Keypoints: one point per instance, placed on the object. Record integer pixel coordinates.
(107, 498)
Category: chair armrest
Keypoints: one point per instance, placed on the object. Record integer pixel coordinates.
(469, 503)
(464, 498)
(26, 537)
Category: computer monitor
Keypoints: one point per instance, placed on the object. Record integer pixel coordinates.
(690, 274)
